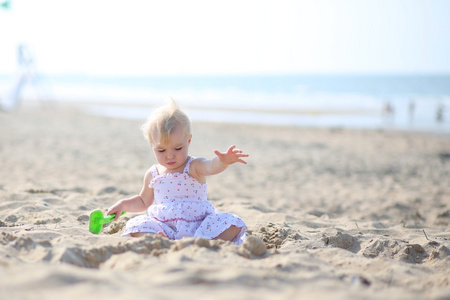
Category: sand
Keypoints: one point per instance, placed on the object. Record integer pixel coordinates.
(332, 213)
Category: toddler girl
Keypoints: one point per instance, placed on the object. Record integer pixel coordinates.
(174, 191)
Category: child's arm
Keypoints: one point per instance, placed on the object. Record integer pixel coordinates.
(206, 167)
(136, 203)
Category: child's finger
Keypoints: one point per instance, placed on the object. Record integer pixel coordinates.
(118, 214)
(231, 148)
(242, 161)
(113, 211)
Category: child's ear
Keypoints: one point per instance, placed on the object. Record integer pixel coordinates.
(189, 139)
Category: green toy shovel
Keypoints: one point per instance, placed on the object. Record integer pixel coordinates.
(96, 220)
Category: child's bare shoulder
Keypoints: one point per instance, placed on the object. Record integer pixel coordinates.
(196, 164)
(197, 161)
(148, 175)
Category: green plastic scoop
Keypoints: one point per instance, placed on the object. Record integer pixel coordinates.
(96, 220)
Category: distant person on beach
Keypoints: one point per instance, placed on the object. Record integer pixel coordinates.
(174, 193)
(411, 109)
(25, 65)
(388, 110)
(440, 113)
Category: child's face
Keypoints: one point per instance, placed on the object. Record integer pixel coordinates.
(174, 153)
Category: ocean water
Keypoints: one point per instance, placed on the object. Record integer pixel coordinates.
(418, 102)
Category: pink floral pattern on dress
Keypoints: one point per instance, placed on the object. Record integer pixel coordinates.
(181, 209)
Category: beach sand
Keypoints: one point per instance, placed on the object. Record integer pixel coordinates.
(332, 213)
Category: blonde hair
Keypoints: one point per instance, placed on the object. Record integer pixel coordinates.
(162, 122)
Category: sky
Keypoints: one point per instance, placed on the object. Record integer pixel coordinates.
(201, 37)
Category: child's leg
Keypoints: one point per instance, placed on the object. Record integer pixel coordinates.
(221, 226)
(229, 234)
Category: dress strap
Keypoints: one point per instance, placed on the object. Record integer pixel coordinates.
(154, 171)
(188, 164)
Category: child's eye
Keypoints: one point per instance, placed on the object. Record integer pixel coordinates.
(179, 148)
(161, 150)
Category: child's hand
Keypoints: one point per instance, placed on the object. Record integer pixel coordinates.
(116, 209)
(231, 156)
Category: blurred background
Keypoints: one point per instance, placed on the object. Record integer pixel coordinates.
(322, 63)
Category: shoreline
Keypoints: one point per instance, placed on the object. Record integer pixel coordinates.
(307, 118)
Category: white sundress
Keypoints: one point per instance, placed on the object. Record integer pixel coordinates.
(181, 209)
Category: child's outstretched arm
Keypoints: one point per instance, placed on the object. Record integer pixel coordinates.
(206, 167)
(136, 203)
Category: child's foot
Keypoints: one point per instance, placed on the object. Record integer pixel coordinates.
(160, 233)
